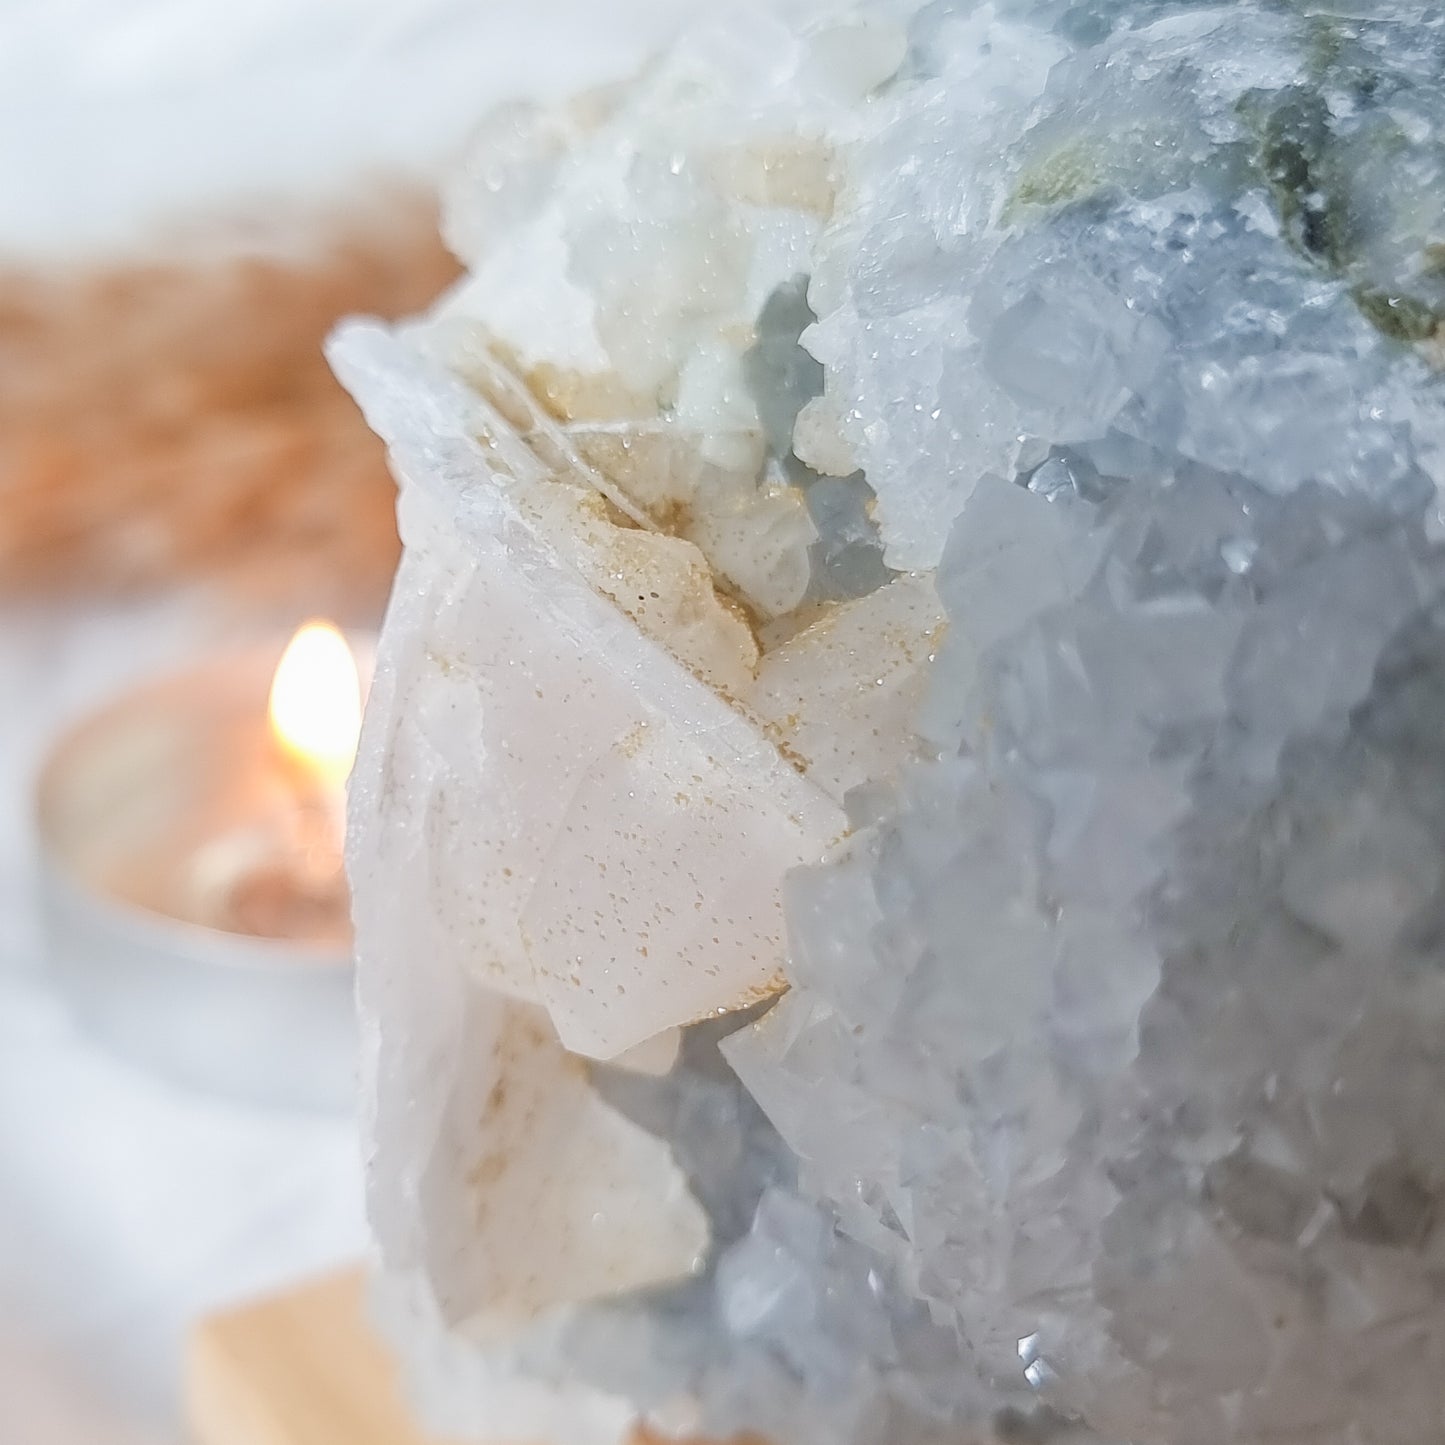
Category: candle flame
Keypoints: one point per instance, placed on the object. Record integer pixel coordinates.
(316, 702)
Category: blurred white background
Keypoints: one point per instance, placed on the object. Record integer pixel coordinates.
(128, 1207)
(116, 112)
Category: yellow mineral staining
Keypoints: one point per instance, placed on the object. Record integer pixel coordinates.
(582, 396)
(754, 535)
(477, 357)
(599, 518)
(750, 997)
(669, 537)
(796, 172)
(666, 587)
(654, 466)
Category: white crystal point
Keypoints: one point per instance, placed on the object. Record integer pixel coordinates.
(659, 901)
(561, 808)
(610, 1209)
(502, 1190)
(841, 695)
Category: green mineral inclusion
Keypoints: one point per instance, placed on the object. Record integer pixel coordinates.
(1402, 318)
(1297, 155)
(1293, 149)
(1067, 174)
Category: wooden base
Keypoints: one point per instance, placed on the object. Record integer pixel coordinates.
(306, 1368)
(300, 1368)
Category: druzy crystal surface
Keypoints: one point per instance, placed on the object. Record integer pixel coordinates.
(900, 831)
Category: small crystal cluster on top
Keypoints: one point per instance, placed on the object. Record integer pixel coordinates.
(900, 832)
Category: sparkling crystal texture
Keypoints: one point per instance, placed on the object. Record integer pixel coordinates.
(899, 838)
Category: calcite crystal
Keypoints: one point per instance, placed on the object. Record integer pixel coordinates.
(900, 832)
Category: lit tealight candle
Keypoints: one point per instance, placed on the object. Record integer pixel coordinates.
(192, 840)
(278, 873)
(315, 704)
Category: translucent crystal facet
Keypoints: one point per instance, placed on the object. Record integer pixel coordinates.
(909, 730)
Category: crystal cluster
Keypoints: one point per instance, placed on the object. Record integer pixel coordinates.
(900, 833)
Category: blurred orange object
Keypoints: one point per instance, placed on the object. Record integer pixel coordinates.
(169, 420)
(305, 1367)
(300, 1368)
